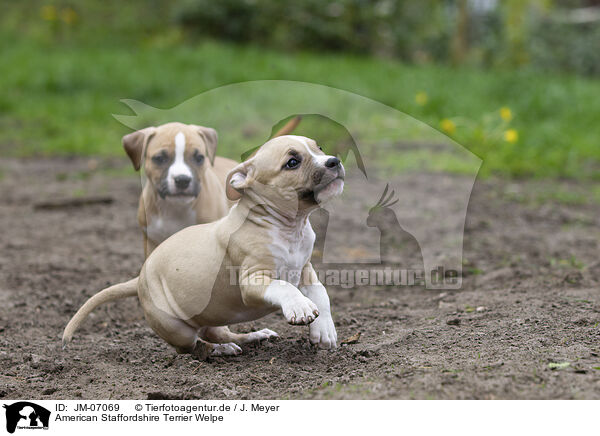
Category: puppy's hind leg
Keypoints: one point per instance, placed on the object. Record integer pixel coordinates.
(222, 335)
(184, 338)
(173, 330)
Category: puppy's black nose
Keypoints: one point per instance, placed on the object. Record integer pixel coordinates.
(182, 182)
(332, 162)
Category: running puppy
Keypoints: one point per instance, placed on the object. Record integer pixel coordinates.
(252, 262)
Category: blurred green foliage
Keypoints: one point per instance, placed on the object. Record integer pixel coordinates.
(565, 47)
(505, 33)
(357, 26)
(64, 66)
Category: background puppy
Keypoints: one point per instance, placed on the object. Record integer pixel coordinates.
(186, 286)
(185, 179)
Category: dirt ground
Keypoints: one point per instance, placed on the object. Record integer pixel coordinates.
(525, 325)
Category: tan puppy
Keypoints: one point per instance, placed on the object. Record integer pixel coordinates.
(185, 180)
(252, 262)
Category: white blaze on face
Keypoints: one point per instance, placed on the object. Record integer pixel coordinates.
(319, 159)
(178, 167)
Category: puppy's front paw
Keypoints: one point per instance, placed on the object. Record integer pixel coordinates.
(300, 311)
(229, 349)
(322, 332)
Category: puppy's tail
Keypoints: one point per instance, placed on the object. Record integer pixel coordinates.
(116, 292)
(288, 127)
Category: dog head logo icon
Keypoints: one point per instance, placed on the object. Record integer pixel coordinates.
(26, 415)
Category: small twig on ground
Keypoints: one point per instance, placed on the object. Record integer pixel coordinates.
(65, 203)
(351, 340)
(259, 379)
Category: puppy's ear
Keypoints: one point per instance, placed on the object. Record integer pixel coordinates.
(135, 145)
(238, 179)
(210, 137)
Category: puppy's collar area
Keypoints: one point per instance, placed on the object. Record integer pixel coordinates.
(261, 210)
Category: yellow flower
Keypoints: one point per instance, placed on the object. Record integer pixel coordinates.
(48, 12)
(421, 98)
(68, 15)
(511, 135)
(506, 113)
(448, 126)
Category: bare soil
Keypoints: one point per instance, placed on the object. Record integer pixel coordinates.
(525, 325)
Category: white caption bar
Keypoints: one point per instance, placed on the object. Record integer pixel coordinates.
(22, 417)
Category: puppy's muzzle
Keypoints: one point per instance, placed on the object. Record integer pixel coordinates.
(332, 163)
(333, 170)
(182, 182)
(323, 179)
(184, 186)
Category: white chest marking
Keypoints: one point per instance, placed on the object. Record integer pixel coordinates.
(291, 252)
(171, 218)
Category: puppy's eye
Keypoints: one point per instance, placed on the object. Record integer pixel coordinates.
(160, 158)
(198, 158)
(292, 163)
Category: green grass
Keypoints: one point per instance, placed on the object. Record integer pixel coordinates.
(57, 96)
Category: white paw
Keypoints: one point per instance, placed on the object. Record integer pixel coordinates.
(261, 335)
(322, 332)
(229, 349)
(300, 311)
